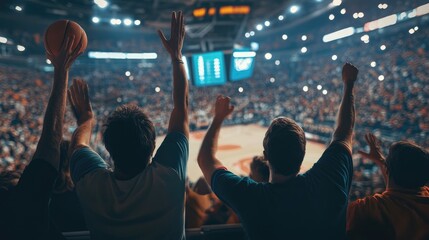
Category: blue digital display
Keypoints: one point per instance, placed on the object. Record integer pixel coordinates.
(242, 64)
(209, 69)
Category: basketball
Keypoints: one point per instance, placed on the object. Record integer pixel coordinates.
(56, 32)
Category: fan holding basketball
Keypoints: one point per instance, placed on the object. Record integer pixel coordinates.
(64, 41)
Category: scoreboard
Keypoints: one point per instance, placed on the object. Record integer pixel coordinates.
(209, 69)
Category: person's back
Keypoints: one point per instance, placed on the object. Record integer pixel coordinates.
(142, 198)
(402, 211)
(290, 206)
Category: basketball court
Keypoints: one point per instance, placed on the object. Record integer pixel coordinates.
(237, 146)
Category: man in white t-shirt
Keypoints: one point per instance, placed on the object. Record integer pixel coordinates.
(140, 199)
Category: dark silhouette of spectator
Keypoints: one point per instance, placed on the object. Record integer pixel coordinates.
(140, 199)
(65, 210)
(308, 206)
(402, 210)
(259, 170)
(29, 204)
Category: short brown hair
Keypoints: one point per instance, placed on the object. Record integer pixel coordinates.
(408, 165)
(284, 146)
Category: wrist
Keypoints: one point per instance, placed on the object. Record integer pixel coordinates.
(218, 120)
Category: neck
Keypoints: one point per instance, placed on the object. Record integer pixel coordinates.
(279, 178)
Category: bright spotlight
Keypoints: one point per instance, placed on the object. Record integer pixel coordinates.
(416, 28)
(240, 89)
(127, 73)
(411, 31)
(284, 36)
(95, 20)
(355, 15)
(259, 27)
(294, 9)
(381, 78)
(385, 6)
(137, 22)
(247, 35)
(373, 64)
(18, 8)
(268, 56)
(267, 23)
(304, 37)
(337, 2)
(304, 50)
(343, 11)
(364, 38)
(380, 6)
(331, 17)
(383, 47)
(361, 15)
(319, 87)
(3, 40)
(48, 61)
(277, 62)
(334, 57)
(272, 80)
(305, 89)
(157, 89)
(101, 3)
(20, 48)
(113, 21)
(127, 22)
(252, 33)
(281, 17)
(325, 92)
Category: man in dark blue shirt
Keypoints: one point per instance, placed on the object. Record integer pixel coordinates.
(290, 206)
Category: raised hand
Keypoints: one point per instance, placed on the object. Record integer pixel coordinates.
(79, 101)
(349, 73)
(67, 55)
(375, 153)
(175, 43)
(223, 107)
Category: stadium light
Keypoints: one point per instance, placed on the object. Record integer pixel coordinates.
(244, 54)
(48, 61)
(252, 33)
(343, 11)
(355, 15)
(128, 22)
(416, 28)
(383, 47)
(331, 17)
(259, 27)
(304, 49)
(101, 3)
(361, 15)
(304, 37)
(268, 56)
(336, 2)
(240, 89)
(284, 37)
(267, 23)
(131, 78)
(272, 80)
(325, 92)
(319, 87)
(137, 22)
(294, 9)
(18, 8)
(247, 35)
(157, 89)
(381, 78)
(373, 64)
(411, 31)
(277, 62)
(20, 48)
(127, 73)
(281, 17)
(121, 55)
(305, 89)
(95, 20)
(115, 21)
(346, 32)
(3, 40)
(334, 57)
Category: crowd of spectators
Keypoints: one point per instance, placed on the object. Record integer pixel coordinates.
(394, 106)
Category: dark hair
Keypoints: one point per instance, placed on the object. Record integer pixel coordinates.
(9, 179)
(64, 182)
(129, 136)
(284, 146)
(259, 170)
(408, 165)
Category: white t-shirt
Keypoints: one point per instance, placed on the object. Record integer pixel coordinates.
(148, 206)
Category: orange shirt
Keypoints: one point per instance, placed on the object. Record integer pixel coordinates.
(394, 214)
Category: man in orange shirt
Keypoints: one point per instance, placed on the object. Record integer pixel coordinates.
(402, 211)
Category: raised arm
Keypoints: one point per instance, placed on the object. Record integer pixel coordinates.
(346, 115)
(206, 156)
(81, 107)
(179, 116)
(48, 147)
(375, 154)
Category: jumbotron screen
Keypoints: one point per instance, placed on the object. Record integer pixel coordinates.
(209, 69)
(242, 64)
